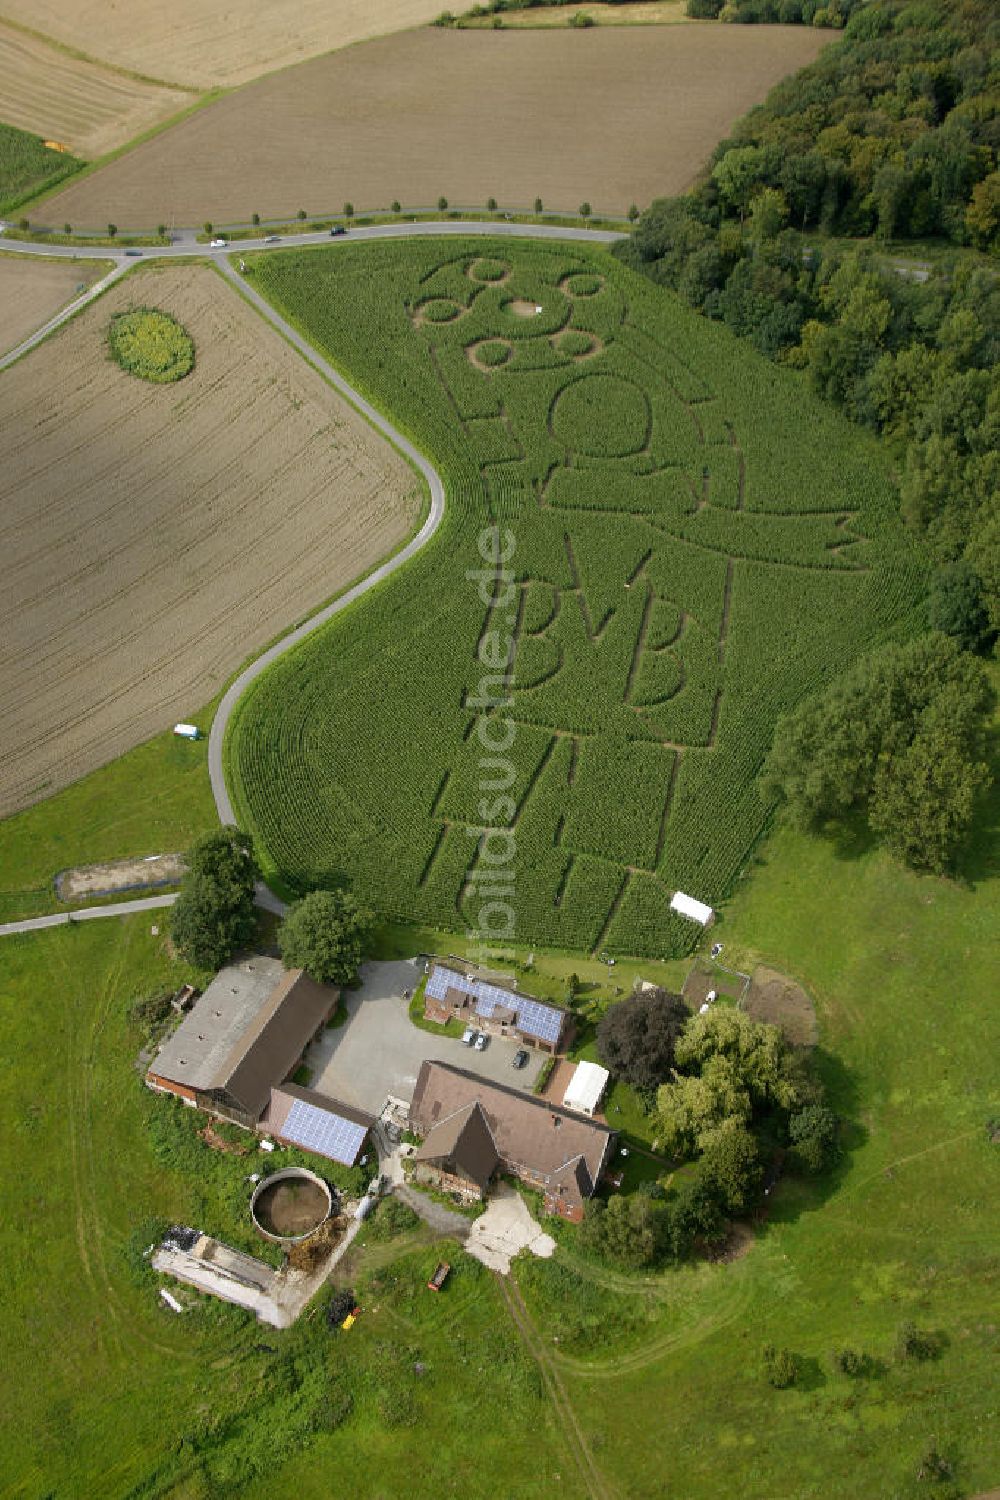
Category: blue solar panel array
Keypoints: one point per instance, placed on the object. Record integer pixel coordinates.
(533, 1018)
(328, 1134)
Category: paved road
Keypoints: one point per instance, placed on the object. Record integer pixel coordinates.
(88, 914)
(185, 244)
(185, 241)
(80, 302)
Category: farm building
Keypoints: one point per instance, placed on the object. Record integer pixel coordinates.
(473, 1129)
(585, 1089)
(244, 1036)
(302, 1117)
(456, 992)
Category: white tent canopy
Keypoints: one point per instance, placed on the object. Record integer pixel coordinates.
(586, 1088)
(697, 911)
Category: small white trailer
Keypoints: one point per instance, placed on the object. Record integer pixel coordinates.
(187, 731)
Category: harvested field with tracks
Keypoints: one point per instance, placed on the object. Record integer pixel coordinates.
(200, 43)
(33, 290)
(154, 536)
(626, 115)
(82, 105)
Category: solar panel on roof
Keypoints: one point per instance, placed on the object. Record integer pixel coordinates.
(320, 1130)
(541, 1021)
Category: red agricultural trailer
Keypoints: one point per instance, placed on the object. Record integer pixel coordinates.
(440, 1276)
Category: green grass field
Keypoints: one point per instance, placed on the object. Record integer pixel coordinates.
(695, 543)
(27, 166)
(662, 1371)
(118, 1397)
(154, 800)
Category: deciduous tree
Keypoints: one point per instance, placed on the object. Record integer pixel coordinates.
(731, 1165)
(636, 1037)
(214, 915)
(325, 934)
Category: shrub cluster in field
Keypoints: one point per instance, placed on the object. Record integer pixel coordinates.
(151, 344)
(681, 576)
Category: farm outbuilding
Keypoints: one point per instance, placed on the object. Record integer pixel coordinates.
(243, 1037)
(695, 911)
(585, 1089)
(302, 1117)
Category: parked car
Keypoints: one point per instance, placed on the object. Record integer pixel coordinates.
(480, 1041)
(218, 244)
(468, 1036)
(338, 229)
(520, 1058)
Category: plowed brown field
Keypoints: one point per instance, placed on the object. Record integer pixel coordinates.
(151, 537)
(82, 105)
(611, 116)
(199, 43)
(32, 291)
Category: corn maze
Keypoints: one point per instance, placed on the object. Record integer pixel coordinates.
(695, 544)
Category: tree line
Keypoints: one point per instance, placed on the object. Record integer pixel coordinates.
(893, 133)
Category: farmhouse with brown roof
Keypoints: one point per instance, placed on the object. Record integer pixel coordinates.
(472, 1129)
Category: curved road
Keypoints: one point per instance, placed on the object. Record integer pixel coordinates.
(185, 244)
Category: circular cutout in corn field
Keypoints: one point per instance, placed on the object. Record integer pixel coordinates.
(602, 416)
(575, 344)
(492, 352)
(582, 285)
(440, 310)
(489, 270)
(151, 344)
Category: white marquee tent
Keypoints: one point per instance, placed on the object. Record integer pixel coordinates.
(697, 911)
(586, 1088)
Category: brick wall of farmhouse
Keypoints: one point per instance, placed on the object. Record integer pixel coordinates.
(446, 1182)
(167, 1086)
(571, 1211)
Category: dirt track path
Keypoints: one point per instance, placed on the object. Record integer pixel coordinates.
(596, 1485)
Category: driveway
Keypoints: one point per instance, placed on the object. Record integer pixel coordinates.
(378, 1051)
(505, 1228)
